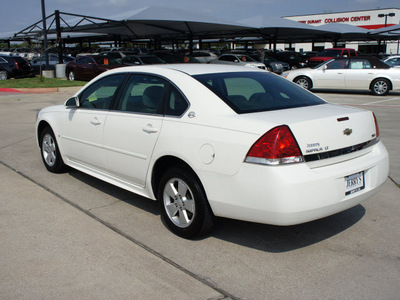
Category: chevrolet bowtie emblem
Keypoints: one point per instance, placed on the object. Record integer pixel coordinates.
(347, 131)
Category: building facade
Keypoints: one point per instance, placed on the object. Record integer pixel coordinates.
(368, 19)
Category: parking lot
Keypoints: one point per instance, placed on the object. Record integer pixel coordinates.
(71, 236)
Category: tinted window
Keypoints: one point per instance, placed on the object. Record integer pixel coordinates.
(247, 92)
(337, 64)
(83, 60)
(331, 53)
(105, 60)
(101, 93)
(131, 60)
(143, 94)
(228, 58)
(176, 103)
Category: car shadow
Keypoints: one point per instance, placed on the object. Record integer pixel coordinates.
(116, 192)
(268, 238)
(351, 92)
(278, 239)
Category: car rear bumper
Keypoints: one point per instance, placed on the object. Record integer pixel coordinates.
(294, 194)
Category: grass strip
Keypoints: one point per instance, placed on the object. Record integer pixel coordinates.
(35, 82)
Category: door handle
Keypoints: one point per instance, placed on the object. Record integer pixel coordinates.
(95, 121)
(150, 129)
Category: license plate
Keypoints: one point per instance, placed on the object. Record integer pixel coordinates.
(354, 183)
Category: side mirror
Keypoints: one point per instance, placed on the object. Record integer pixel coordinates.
(236, 61)
(324, 67)
(72, 102)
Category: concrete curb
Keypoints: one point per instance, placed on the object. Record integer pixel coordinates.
(73, 89)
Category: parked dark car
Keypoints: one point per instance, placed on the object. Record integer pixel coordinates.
(294, 59)
(118, 54)
(53, 60)
(141, 60)
(89, 66)
(275, 66)
(174, 57)
(14, 67)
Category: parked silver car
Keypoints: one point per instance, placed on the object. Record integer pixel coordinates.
(238, 59)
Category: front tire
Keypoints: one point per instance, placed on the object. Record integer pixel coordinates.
(50, 152)
(380, 87)
(303, 82)
(183, 203)
(3, 75)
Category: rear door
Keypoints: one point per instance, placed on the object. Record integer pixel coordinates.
(331, 76)
(132, 130)
(359, 74)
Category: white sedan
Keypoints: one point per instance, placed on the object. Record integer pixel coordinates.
(212, 140)
(360, 73)
(393, 61)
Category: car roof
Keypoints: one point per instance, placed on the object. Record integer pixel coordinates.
(190, 69)
(339, 49)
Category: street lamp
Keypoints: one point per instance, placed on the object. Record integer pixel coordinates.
(386, 16)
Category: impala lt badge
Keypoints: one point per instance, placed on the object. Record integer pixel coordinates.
(347, 131)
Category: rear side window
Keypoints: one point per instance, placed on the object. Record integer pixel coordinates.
(247, 92)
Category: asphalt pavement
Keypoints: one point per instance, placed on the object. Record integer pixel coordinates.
(71, 236)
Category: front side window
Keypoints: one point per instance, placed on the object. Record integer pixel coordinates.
(331, 53)
(101, 93)
(337, 64)
(245, 58)
(83, 60)
(247, 92)
(228, 58)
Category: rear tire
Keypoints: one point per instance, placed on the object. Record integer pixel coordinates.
(50, 152)
(183, 203)
(380, 87)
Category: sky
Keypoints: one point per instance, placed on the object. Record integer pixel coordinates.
(16, 15)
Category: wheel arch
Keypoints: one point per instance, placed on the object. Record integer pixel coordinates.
(163, 164)
(42, 125)
(304, 76)
(380, 78)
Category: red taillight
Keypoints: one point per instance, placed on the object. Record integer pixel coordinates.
(16, 64)
(376, 125)
(277, 146)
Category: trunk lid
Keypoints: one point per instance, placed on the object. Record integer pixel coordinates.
(324, 128)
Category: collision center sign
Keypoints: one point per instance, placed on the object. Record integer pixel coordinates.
(366, 19)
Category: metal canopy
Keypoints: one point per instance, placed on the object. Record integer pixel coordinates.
(158, 23)
(345, 32)
(389, 32)
(283, 30)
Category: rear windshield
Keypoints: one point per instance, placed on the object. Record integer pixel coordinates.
(247, 92)
(331, 53)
